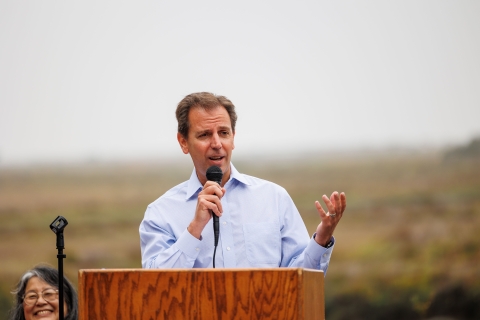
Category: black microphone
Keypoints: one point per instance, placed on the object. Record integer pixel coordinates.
(214, 173)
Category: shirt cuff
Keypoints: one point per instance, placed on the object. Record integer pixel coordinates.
(188, 244)
(319, 253)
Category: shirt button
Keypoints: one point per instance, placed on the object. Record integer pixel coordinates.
(197, 249)
(224, 222)
(228, 248)
(324, 255)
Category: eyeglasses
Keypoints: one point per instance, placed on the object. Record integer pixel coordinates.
(47, 295)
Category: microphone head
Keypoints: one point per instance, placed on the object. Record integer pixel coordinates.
(214, 173)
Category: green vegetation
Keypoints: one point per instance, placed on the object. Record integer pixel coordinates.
(470, 151)
(406, 247)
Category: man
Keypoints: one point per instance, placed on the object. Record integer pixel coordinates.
(259, 223)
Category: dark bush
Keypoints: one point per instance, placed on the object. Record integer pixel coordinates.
(455, 301)
(357, 307)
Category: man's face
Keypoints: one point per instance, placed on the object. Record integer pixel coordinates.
(210, 141)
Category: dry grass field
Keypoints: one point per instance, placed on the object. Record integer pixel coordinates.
(410, 233)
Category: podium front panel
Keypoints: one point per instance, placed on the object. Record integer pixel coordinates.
(280, 293)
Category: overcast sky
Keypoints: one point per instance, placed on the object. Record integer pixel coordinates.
(101, 79)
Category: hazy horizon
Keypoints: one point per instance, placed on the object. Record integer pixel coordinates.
(100, 81)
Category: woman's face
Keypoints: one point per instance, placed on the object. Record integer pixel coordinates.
(41, 309)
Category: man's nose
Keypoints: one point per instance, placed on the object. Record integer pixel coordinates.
(215, 142)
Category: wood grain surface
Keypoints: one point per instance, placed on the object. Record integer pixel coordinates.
(280, 293)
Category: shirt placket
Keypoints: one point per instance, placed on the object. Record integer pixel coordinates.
(226, 235)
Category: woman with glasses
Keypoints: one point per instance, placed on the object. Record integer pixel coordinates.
(36, 296)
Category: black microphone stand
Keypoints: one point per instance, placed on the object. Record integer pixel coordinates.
(57, 226)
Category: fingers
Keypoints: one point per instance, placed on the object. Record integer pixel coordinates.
(210, 202)
(212, 187)
(336, 204)
(320, 210)
(343, 201)
(330, 203)
(324, 216)
(209, 199)
(335, 200)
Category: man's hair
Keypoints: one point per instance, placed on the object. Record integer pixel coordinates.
(205, 100)
(49, 275)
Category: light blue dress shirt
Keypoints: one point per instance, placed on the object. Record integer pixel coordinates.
(260, 227)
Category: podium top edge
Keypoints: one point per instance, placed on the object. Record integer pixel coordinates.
(140, 270)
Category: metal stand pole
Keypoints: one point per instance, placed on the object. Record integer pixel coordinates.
(57, 226)
(60, 256)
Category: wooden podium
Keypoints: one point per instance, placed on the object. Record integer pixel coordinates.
(137, 294)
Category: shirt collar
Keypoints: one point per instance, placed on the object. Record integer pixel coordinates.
(194, 184)
(234, 174)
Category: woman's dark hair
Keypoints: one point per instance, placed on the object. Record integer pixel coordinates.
(205, 100)
(49, 275)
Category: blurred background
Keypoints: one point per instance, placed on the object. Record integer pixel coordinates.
(377, 99)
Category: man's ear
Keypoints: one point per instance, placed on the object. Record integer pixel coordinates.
(183, 142)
